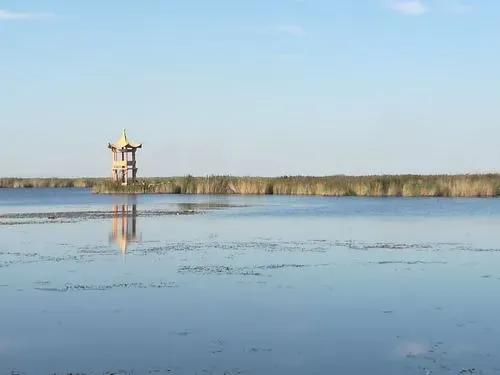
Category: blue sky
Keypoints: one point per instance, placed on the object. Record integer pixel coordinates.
(257, 87)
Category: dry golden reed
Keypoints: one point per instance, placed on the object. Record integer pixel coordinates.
(485, 185)
(49, 182)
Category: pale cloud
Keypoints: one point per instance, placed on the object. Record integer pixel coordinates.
(6, 15)
(409, 7)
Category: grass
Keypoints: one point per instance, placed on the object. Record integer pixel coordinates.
(7, 182)
(484, 185)
(487, 185)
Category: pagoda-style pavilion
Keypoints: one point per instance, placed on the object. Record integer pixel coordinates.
(124, 167)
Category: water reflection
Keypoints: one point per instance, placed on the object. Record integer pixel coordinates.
(124, 227)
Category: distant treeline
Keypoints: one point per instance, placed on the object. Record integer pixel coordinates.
(485, 185)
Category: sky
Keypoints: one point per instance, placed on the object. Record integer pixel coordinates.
(250, 87)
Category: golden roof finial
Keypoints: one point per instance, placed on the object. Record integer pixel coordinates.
(123, 142)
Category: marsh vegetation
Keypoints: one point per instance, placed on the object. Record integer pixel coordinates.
(479, 185)
(364, 186)
(52, 182)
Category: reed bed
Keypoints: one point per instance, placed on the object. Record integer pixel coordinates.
(485, 185)
(480, 185)
(7, 182)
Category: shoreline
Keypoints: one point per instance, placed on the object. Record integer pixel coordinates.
(453, 186)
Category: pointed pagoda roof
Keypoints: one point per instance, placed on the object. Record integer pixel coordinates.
(124, 142)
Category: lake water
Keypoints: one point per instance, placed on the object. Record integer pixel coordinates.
(173, 284)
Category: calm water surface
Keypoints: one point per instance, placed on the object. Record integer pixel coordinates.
(173, 284)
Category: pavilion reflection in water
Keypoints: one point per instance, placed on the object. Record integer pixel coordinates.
(124, 227)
